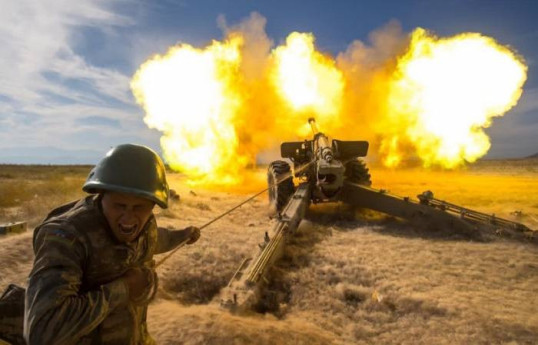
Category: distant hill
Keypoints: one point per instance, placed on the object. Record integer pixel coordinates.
(533, 156)
(48, 155)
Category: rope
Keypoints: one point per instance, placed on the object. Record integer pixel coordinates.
(230, 211)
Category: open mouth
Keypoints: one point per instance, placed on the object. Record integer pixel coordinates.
(127, 229)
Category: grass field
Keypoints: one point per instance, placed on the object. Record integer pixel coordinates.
(344, 279)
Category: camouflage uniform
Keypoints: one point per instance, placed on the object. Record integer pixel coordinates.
(74, 295)
(11, 315)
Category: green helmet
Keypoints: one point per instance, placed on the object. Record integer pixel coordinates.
(132, 169)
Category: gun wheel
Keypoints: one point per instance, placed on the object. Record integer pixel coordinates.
(280, 182)
(357, 172)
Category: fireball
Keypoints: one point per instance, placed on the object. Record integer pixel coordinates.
(308, 81)
(218, 106)
(446, 91)
(190, 95)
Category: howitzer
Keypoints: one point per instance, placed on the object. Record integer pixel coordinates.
(336, 173)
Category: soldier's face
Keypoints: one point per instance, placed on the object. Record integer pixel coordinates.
(126, 214)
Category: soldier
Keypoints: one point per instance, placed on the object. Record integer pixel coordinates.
(93, 274)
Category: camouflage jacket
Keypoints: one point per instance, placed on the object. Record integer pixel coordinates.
(74, 295)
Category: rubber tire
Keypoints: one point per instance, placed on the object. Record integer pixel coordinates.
(279, 194)
(358, 172)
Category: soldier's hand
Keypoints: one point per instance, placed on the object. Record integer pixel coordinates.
(138, 281)
(194, 234)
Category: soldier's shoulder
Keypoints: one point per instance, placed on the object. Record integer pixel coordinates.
(58, 233)
(67, 221)
(60, 210)
(73, 208)
(76, 211)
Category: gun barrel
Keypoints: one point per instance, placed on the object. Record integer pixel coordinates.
(322, 148)
(312, 122)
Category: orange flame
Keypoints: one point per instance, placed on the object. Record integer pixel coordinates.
(445, 91)
(190, 95)
(307, 80)
(220, 106)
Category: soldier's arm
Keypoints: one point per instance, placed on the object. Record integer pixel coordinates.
(170, 239)
(56, 311)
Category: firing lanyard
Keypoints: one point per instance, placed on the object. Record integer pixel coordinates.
(160, 262)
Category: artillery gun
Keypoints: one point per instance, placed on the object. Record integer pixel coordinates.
(336, 173)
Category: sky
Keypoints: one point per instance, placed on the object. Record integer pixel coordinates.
(65, 66)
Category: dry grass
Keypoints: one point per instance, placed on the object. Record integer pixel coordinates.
(30, 192)
(500, 187)
(343, 279)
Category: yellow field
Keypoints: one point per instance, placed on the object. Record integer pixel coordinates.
(500, 187)
(342, 280)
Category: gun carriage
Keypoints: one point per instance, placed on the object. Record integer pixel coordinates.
(336, 173)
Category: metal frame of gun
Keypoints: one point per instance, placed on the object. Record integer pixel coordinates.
(333, 174)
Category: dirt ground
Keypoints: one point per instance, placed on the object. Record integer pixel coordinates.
(347, 277)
